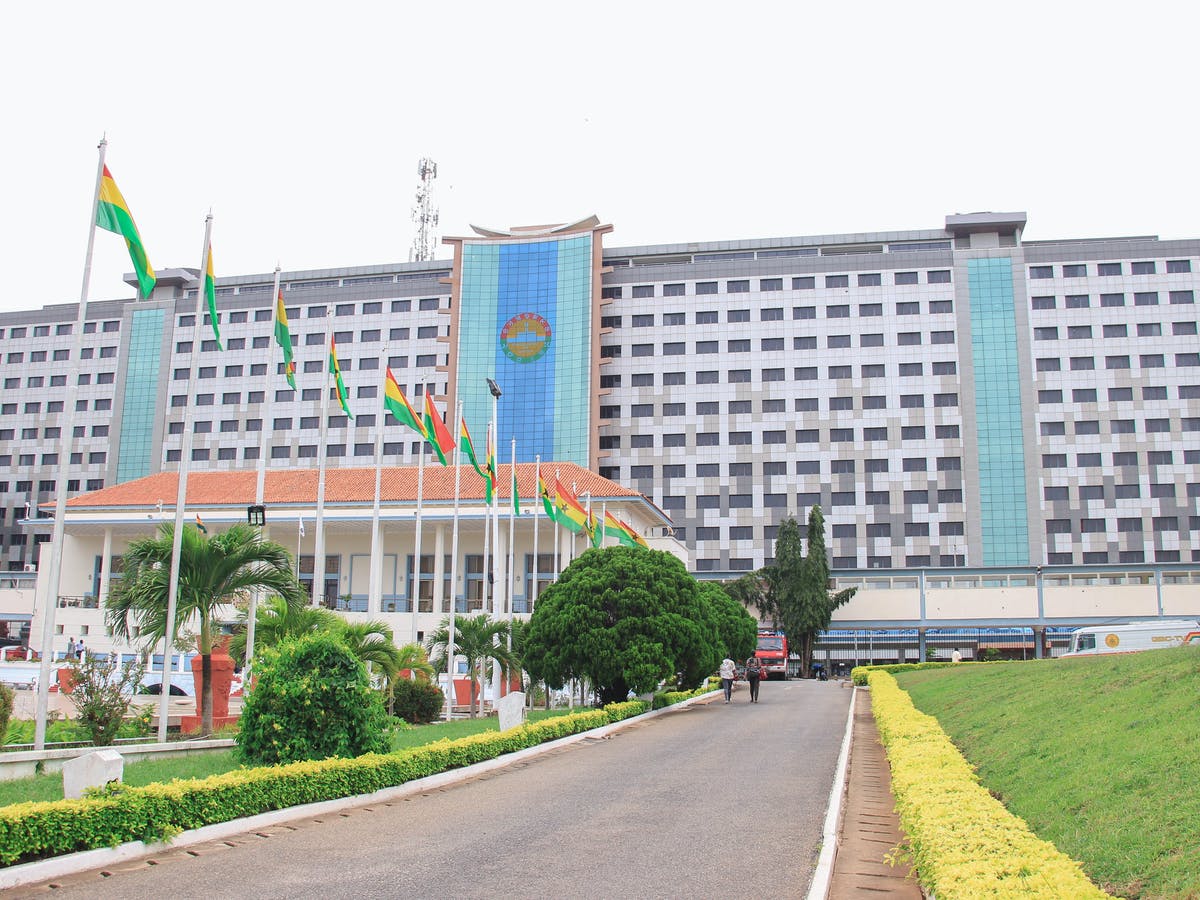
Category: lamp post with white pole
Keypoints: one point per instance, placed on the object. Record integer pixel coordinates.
(494, 525)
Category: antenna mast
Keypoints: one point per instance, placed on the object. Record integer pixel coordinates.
(424, 214)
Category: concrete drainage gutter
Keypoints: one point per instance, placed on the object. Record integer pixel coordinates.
(74, 863)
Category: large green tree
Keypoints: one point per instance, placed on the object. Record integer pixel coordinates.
(481, 640)
(737, 630)
(798, 585)
(624, 618)
(213, 571)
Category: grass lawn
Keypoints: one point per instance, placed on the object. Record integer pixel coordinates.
(214, 762)
(1100, 756)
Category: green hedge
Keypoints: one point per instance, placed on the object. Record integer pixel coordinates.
(30, 831)
(859, 673)
(962, 841)
(670, 698)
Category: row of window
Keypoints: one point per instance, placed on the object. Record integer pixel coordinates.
(95, 458)
(870, 370)
(1054, 396)
(800, 467)
(1102, 557)
(18, 356)
(1118, 361)
(303, 451)
(1121, 330)
(745, 345)
(777, 437)
(313, 339)
(1141, 267)
(46, 487)
(1128, 491)
(19, 331)
(912, 561)
(798, 283)
(806, 499)
(774, 314)
(53, 432)
(735, 407)
(1123, 525)
(847, 531)
(318, 311)
(1141, 298)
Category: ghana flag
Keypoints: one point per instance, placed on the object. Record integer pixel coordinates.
(210, 294)
(547, 499)
(438, 434)
(283, 337)
(112, 214)
(397, 404)
(467, 446)
(335, 370)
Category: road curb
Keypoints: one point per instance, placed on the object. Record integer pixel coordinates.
(74, 863)
(819, 889)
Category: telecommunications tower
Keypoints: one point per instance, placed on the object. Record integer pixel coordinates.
(424, 214)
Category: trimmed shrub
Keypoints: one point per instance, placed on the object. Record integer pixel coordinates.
(312, 700)
(859, 674)
(963, 842)
(417, 702)
(156, 812)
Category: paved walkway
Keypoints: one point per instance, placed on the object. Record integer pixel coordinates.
(870, 827)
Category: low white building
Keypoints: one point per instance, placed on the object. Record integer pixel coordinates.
(100, 525)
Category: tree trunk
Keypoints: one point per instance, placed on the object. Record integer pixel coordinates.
(206, 695)
(472, 694)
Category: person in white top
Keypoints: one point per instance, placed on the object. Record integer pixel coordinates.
(728, 673)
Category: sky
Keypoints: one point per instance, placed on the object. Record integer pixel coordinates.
(300, 125)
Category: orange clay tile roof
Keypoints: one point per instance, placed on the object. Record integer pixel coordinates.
(342, 485)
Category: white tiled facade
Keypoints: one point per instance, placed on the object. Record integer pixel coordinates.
(929, 389)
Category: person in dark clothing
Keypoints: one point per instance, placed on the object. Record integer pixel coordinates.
(753, 677)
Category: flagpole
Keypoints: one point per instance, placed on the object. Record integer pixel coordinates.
(260, 488)
(65, 437)
(454, 560)
(537, 515)
(512, 515)
(415, 595)
(557, 534)
(185, 455)
(375, 588)
(319, 537)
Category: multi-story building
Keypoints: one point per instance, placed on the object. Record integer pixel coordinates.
(952, 396)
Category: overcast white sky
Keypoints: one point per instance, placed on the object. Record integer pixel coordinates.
(301, 124)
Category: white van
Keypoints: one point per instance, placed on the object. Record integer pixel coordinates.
(1096, 639)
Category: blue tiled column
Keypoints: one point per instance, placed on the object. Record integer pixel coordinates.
(139, 409)
(998, 423)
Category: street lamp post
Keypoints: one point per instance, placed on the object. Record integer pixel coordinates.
(494, 525)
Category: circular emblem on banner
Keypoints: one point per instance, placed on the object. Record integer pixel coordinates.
(525, 337)
(1112, 640)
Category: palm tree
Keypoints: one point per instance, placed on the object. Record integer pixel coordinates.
(371, 641)
(480, 639)
(213, 571)
(279, 621)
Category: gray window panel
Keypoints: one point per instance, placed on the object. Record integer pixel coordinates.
(1078, 301)
(1042, 303)
(804, 283)
(1182, 297)
(1074, 270)
(938, 276)
(1109, 269)
(1055, 492)
(906, 278)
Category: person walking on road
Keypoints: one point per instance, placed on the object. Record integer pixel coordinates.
(728, 673)
(753, 676)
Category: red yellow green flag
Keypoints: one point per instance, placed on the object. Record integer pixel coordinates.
(438, 434)
(547, 499)
(112, 214)
(467, 446)
(283, 337)
(210, 293)
(335, 369)
(516, 497)
(637, 537)
(571, 514)
(489, 487)
(397, 404)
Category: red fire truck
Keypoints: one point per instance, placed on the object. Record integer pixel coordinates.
(772, 652)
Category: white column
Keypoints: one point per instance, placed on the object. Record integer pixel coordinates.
(439, 569)
(105, 568)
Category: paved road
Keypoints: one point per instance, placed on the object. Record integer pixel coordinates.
(712, 801)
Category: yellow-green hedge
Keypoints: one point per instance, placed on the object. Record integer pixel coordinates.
(860, 674)
(963, 842)
(30, 831)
